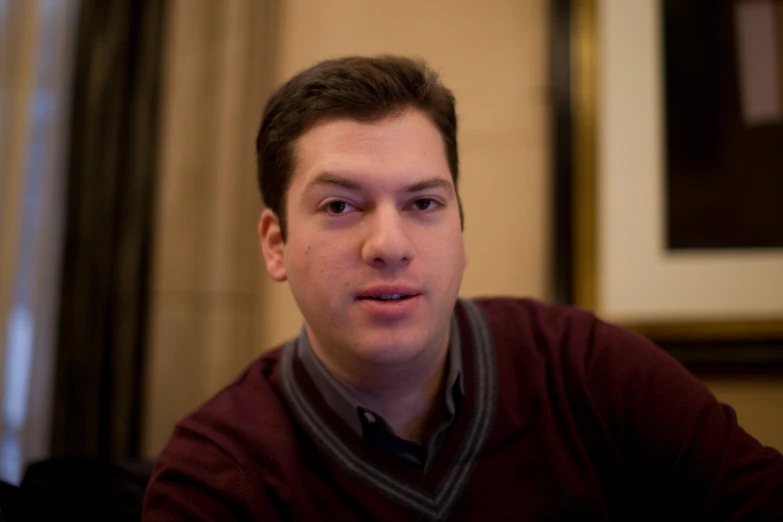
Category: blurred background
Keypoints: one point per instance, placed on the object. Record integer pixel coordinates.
(131, 282)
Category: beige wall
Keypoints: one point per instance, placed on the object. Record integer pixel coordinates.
(493, 55)
(207, 284)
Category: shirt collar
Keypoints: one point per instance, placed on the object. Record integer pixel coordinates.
(345, 404)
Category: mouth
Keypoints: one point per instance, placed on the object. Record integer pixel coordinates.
(388, 293)
(392, 303)
(387, 297)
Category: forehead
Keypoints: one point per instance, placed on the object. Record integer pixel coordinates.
(398, 147)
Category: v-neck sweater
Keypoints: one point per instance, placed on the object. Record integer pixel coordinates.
(564, 417)
(371, 425)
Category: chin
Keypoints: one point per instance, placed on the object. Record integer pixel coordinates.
(390, 350)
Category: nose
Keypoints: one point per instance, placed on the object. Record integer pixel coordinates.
(387, 243)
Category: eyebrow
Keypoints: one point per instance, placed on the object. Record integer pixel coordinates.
(328, 178)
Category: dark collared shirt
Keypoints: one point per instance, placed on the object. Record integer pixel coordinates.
(369, 424)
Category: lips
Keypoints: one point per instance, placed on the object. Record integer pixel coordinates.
(387, 303)
(390, 293)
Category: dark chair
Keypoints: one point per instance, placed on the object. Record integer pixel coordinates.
(79, 487)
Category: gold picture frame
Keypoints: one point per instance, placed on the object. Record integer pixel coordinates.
(580, 68)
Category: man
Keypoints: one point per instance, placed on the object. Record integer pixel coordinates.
(399, 401)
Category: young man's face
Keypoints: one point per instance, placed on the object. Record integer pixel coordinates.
(374, 253)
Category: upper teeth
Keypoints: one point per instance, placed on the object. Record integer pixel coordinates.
(389, 296)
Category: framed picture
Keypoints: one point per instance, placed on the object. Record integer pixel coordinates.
(668, 183)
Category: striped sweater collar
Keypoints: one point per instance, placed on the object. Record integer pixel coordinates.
(346, 405)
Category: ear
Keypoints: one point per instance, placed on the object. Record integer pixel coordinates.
(272, 245)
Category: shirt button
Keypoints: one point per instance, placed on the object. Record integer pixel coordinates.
(369, 417)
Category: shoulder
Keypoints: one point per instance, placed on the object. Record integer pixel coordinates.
(530, 324)
(246, 421)
(611, 367)
(220, 455)
(570, 338)
(519, 314)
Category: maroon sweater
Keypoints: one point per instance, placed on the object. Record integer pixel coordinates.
(564, 417)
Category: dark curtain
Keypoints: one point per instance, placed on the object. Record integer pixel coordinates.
(108, 232)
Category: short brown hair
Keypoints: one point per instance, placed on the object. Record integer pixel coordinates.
(364, 88)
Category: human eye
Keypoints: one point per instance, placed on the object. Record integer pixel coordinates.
(337, 207)
(425, 204)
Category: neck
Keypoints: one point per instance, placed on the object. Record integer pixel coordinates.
(407, 396)
(411, 409)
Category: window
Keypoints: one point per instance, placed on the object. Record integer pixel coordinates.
(36, 47)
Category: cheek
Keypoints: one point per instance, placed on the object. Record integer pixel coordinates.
(319, 263)
(450, 242)
(445, 254)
